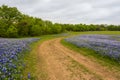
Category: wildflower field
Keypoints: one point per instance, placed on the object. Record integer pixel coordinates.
(11, 54)
(106, 45)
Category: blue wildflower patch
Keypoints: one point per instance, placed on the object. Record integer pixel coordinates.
(107, 45)
(11, 64)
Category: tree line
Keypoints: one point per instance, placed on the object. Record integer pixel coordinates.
(15, 24)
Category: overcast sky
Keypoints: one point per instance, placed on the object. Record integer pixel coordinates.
(70, 11)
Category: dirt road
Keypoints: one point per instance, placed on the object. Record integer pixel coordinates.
(60, 63)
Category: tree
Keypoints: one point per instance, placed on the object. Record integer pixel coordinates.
(36, 30)
(56, 28)
(12, 31)
(3, 28)
(23, 28)
(10, 14)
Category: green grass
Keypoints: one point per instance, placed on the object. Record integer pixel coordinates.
(103, 60)
(96, 32)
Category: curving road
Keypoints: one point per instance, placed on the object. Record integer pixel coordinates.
(62, 63)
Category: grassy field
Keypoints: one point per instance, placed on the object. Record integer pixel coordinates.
(31, 58)
(104, 60)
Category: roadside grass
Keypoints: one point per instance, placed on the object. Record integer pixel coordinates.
(103, 60)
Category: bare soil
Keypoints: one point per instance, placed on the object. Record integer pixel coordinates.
(61, 63)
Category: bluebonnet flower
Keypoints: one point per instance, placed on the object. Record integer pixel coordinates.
(108, 45)
(29, 76)
(10, 52)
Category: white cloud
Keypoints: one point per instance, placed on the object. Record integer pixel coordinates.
(70, 11)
